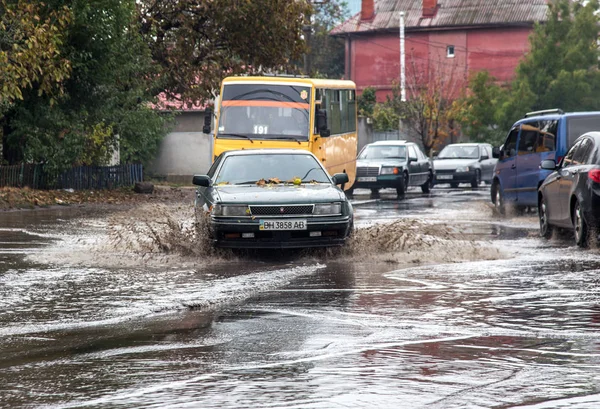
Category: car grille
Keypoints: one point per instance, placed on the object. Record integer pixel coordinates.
(444, 171)
(367, 171)
(281, 210)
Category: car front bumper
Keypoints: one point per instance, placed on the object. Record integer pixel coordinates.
(228, 233)
(454, 177)
(379, 182)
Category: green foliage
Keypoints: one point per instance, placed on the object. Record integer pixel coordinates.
(198, 43)
(561, 70)
(106, 98)
(367, 101)
(385, 118)
(481, 109)
(31, 36)
(327, 53)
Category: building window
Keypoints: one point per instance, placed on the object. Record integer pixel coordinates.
(450, 51)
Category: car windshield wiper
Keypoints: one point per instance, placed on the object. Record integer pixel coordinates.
(239, 135)
(289, 137)
(248, 182)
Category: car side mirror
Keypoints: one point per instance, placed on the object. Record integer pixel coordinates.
(412, 159)
(548, 164)
(496, 153)
(484, 157)
(201, 180)
(322, 123)
(340, 178)
(207, 121)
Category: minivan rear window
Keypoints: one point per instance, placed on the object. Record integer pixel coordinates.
(578, 125)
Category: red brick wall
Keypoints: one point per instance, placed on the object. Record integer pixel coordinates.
(375, 59)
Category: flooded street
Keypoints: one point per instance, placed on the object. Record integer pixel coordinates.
(437, 303)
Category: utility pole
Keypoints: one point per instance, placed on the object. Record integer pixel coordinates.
(402, 70)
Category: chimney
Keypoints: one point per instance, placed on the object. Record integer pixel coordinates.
(367, 9)
(429, 8)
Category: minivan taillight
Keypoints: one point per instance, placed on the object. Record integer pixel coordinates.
(594, 175)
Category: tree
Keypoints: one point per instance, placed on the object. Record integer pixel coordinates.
(198, 43)
(432, 109)
(366, 102)
(106, 97)
(30, 39)
(482, 105)
(561, 70)
(327, 53)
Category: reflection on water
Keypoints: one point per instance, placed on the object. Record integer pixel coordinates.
(308, 330)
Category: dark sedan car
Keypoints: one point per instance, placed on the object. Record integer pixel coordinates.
(393, 164)
(570, 196)
(464, 163)
(274, 198)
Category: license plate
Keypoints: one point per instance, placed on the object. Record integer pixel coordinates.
(440, 177)
(291, 224)
(367, 179)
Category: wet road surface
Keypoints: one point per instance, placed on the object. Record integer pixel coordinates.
(285, 331)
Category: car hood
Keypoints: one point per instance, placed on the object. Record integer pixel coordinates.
(380, 162)
(450, 164)
(278, 194)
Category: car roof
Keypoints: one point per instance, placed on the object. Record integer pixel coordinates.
(391, 142)
(267, 151)
(468, 144)
(558, 116)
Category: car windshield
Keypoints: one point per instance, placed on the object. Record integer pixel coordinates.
(383, 152)
(264, 111)
(252, 169)
(459, 152)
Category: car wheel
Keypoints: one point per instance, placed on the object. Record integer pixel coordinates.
(498, 198)
(426, 187)
(475, 182)
(545, 227)
(454, 185)
(401, 189)
(580, 226)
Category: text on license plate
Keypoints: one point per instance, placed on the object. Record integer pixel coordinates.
(444, 176)
(291, 224)
(367, 179)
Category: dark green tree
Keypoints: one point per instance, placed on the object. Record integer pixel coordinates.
(327, 53)
(197, 43)
(366, 102)
(561, 70)
(107, 97)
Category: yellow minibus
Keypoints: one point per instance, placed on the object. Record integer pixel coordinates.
(318, 115)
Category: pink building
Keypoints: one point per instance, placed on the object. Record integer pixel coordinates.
(456, 37)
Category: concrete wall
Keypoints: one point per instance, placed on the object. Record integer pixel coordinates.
(183, 152)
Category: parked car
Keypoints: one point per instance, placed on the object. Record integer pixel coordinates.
(274, 198)
(540, 135)
(570, 195)
(464, 163)
(393, 164)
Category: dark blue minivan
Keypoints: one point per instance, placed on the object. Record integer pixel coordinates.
(538, 136)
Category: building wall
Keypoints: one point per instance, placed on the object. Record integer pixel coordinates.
(375, 58)
(183, 152)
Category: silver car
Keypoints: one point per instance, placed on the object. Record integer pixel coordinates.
(464, 163)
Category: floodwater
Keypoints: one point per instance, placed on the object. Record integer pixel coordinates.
(436, 303)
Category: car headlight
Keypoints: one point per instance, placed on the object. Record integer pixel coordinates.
(463, 169)
(328, 208)
(230, 210)
(389, 171)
